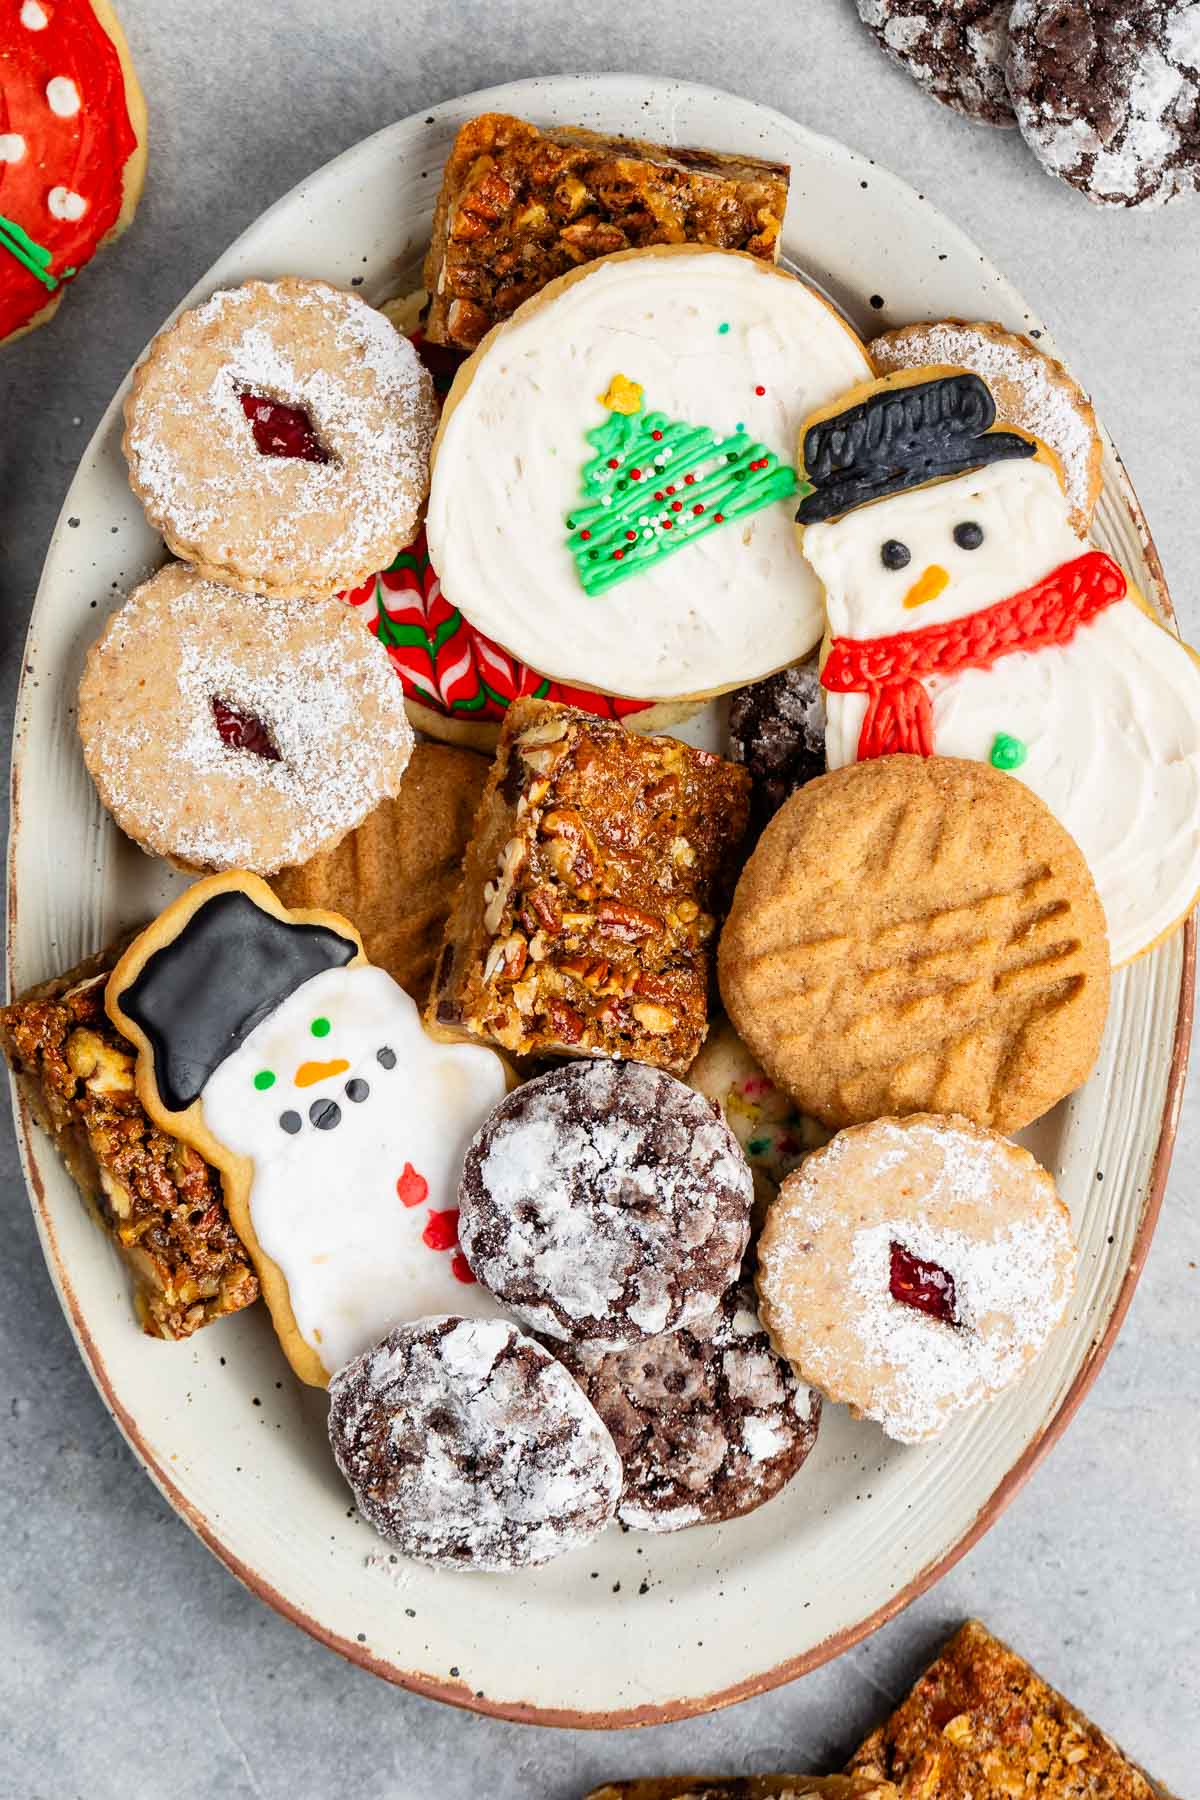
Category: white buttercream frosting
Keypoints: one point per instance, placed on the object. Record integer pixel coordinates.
(324, 1203)
(1110, 721)
(729, 607)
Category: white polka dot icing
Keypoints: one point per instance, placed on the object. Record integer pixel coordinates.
(33, 16)
(62, 96)
(12, 147)
(63, 204)
(356, 1123)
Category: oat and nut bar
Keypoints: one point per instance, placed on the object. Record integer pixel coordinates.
(980, 1724)
(157, 1198)
(586, 917)
(520, 205)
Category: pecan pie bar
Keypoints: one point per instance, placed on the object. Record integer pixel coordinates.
(158, 1199)
(980, 1724)
(746, 1787)
(585, 918)
(520, 205)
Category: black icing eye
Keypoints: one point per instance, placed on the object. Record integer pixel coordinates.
(290, 1122)
(325, 1114)
(356, 1089)
(386, 1058)
(895, 555)
(968, 535)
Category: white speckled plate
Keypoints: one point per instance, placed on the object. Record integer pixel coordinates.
(637, 1628)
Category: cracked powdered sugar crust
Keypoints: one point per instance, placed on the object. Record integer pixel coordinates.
(279, 523)
(466, 1444)
(951, 1195)
(605, 1201)
(319, 684)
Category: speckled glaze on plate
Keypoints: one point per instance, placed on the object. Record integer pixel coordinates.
(636, 1629)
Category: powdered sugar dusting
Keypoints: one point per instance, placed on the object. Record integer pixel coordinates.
(951, 1195)
(605, 1201)
(1049, 408)
(321, 686)
(283, 523)
(465, 1443)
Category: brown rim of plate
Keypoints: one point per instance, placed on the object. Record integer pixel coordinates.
(459, 1693)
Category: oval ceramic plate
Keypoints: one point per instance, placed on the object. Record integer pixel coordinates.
(638, 1627)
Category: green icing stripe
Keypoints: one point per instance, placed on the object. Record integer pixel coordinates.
(724, 483)
(34, 256)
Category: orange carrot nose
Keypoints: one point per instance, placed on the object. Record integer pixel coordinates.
(927, 586)
(309, 1072)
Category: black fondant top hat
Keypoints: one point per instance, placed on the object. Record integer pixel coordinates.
(203, 993)
(902, 437)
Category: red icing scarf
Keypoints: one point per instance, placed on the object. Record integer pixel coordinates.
(889, 669)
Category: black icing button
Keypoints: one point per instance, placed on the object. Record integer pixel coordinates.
(968, 535)
(386, 1057)
(357, 1089)
(895, 555)
(290, 1122)
(325, 1114)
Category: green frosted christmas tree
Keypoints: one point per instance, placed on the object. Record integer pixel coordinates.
(657, 484)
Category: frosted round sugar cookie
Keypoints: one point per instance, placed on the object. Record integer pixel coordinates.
(613, 486)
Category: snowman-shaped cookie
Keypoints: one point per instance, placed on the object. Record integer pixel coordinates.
(302, 1072)
(966, 618)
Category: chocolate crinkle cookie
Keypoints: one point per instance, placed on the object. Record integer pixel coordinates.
(954, 49)
(466, 1444)
(708, 1422)
(1107, 94)
(777, 729)
(605, 1201)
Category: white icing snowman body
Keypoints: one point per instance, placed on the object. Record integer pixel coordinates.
(356, 1122)
(1107, 724)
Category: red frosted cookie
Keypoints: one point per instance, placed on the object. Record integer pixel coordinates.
(72, 149)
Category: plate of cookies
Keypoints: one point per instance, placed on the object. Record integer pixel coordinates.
(605, 814)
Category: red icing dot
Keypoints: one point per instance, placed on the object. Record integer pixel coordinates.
(667, 524)
(697, 508)
(613, 463)
(670, 490)
(760, 391)
(677, 506)
(688, 480)
(719, 517)
(585, 535)
(657, 436)
(460, 1268)
(412, 1188)
(281, 430)
(923, 1285)
(242, 731)
(631, 535)
(660, 496)
(635, 474)
(441, 1233)
(618, 556)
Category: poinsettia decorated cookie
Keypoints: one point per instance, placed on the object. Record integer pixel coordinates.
(968, 619)
(300, 1071)
(613, 488)
(72, 148)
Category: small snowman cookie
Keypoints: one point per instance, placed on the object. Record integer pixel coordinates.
(966, 618)
(266, 1040)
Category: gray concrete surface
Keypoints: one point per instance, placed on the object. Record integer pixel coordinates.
(131, 1664)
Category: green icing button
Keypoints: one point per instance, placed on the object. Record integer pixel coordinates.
(1008, 752)
(264, 1079)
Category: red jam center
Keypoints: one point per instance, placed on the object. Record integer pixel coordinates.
(242, 731)
(923, 1285)
(281, 430)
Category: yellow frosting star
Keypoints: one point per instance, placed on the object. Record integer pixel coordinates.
(623, 396)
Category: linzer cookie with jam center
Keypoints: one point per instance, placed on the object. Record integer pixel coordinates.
(231, 731)
(918, 934)
(605, 1202)
(914, 1268)
(278, 436)
(588, 903)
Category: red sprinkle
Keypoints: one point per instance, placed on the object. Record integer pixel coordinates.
(688, 480)
(441, 1233)
(242, 731)
(660, 496)
(631, 534)
(618, 556)
(460, 1268)
(677, 506)
(697, 508)
(667, 524)
(719, 518)
(923, 1285)
(760, 391)
(613, 463)
(635, 474)
(281, 430)
(670, 490)
(585, 535)
(657, 436)
(412, 1188)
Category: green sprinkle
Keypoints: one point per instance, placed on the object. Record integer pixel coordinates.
(264, 1079)
(756, 1146)
(722, 328)
(320, 1028)
(1008, 752)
